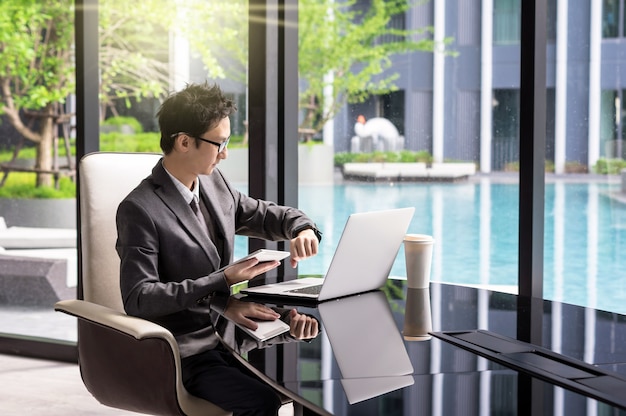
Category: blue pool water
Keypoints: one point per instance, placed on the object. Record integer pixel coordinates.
(475, 228)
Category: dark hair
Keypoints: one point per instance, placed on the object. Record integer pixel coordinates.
(194, 110)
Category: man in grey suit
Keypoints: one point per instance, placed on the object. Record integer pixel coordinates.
(176, 236)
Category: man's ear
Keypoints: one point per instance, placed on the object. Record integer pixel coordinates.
(182, 143)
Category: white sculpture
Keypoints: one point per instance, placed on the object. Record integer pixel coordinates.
(377, 133)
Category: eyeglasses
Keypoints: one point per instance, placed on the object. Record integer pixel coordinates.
(220, 145)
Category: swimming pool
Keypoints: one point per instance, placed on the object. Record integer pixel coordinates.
(475, 226)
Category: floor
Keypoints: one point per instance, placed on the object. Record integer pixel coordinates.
(39, 387)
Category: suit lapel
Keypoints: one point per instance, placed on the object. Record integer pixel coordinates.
(172, 198)
(208, 192)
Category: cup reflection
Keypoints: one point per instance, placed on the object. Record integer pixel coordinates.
(417, 315)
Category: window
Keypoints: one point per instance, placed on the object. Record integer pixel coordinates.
(613, 130)
(37, 210)
(506, 22)
(611, 18)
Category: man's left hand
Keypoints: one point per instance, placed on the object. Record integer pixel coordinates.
(303, 246)
(302, 326)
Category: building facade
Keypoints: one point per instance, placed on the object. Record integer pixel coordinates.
(465, 107)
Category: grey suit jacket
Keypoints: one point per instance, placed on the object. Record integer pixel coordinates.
(168, 262)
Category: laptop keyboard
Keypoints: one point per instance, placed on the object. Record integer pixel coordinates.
(310, 290)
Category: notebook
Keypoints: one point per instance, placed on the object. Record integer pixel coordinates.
(381, 363)
(366, 251)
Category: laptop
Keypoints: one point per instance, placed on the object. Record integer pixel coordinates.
(381, 363)
(366, 251)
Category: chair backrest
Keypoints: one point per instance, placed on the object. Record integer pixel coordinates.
(105, 179)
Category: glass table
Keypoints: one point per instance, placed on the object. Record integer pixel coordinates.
(401, 351)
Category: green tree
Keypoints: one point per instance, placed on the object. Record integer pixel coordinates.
(133, 51)
(345, 53)
(37, 62)
(218, 35)
(135, 44)
(335, 37)
(344, 50)
(36, 70)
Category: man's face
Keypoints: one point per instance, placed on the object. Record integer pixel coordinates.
(205, 156)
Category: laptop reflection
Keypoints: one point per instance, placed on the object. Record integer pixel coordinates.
(367, 346)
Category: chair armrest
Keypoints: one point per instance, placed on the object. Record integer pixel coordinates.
(131, 363)
(135, 327)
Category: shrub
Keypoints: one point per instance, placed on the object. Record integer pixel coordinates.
(575, 167)
(120, 121)
(403, 156)
(609, 166)
(21, 185)
(119, 142)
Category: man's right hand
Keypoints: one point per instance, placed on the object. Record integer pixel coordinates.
(247, 270)
(244, 313)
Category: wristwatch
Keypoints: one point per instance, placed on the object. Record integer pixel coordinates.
(313, 227)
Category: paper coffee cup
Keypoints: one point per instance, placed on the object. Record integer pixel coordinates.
(418, 254)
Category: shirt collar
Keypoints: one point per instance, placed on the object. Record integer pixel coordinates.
(187, 193)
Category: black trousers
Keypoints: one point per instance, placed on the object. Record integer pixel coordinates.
(219, 378)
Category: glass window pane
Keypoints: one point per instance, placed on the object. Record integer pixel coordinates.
(476, 221)
(610, 18)
(37, 190)
(430, 119)
(584, 202)
(146, 53)
(506, 22)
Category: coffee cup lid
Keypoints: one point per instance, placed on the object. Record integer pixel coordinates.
(419, 238)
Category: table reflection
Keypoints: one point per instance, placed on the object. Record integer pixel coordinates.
(365, 359)
(381, 363)
(240, 341)
(418, 321)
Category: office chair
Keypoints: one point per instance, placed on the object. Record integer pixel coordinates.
(125, 362)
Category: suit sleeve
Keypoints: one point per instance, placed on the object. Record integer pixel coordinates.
(266, 219)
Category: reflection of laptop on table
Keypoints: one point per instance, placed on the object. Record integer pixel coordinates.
(362, 261)
(367, 345)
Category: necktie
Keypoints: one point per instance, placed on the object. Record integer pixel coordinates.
(195, 207)
(208, 225)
